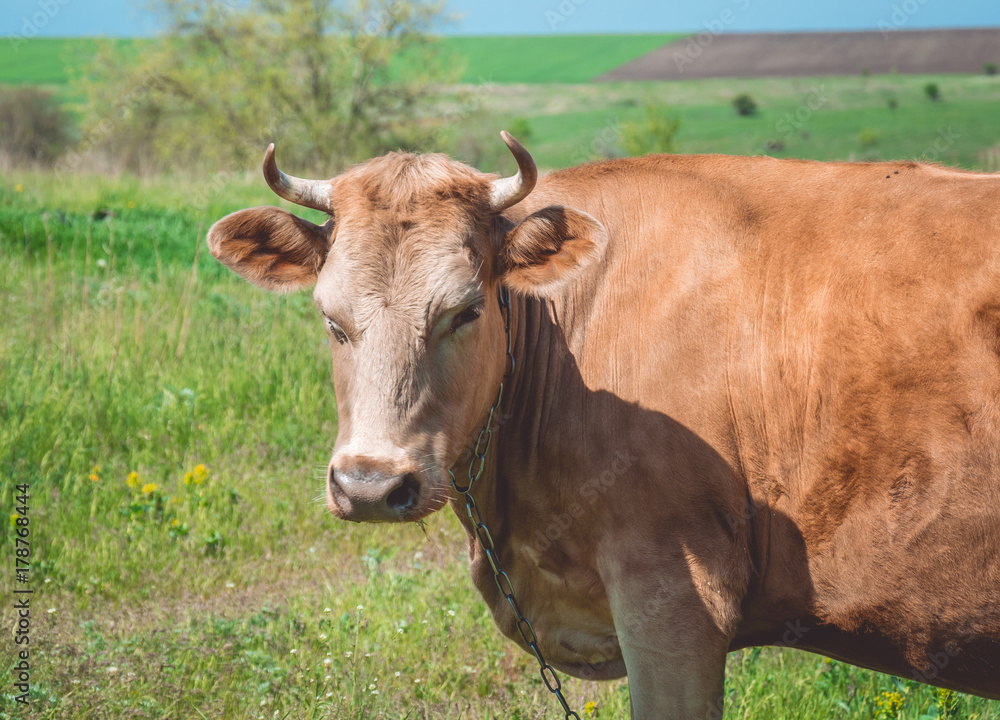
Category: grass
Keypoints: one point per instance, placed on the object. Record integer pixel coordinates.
(50, 61)
(499, 59)
(545, 59)
(830, 118)
(211, 583)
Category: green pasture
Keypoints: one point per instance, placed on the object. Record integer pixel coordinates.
(173, 424)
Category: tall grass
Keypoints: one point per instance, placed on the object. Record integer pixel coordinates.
(173, 424)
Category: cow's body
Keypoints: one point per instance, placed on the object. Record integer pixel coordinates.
(768, 414)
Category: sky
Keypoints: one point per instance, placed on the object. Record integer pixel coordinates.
(55, 18)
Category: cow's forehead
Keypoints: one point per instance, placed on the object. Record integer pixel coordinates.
(411, 233)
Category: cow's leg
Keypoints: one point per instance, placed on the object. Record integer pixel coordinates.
(673, 647)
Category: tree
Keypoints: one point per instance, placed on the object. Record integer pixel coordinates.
(330, 83)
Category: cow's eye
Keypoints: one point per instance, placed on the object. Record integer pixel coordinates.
(337, 331)
(468, 315)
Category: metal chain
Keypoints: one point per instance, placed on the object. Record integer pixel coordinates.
(476, 466)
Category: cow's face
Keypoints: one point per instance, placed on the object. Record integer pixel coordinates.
(406, 275)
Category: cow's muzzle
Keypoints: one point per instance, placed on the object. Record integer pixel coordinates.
(364, 490)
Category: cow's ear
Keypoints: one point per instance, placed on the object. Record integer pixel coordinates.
(271, 247)
(549, 248)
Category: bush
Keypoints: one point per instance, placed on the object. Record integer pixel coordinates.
(868, 137)
(893, 103)
(744, 104)
(654, 134)
(990, 68)
(35, 127)
(932, 91)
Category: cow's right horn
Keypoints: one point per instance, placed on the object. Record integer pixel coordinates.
(313, 194)
(510, 190)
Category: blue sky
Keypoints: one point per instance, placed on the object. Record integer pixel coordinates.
(507, 17)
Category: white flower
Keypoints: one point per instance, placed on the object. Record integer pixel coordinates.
(361, 607)
(398, 673)
(452, 613)
(327, 661)
(230, 584)
(416, 680)
(112, 669)
(50, 611)
(322, 636)
(327, 610)
(347, 654)
(399, 630)
(292, 651)
(372, 686)
(329, 694)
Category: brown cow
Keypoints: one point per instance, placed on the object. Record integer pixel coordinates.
(754, 401)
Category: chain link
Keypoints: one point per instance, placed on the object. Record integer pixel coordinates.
(476, 466)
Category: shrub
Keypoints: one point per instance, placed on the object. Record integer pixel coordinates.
(744, 104)
(35, 127)
(868, 137)
(990, 68)
(893, 103)
(932, 91)
(654, 134)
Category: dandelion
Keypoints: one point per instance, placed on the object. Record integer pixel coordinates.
(133, 480)
(150, 488)
(13, 519)
(589, 708)
(175, 522)
(94, 477)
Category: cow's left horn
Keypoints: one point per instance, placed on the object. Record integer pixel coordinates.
(511, 190)
(313, 194)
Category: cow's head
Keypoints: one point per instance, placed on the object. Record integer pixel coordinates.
(406, 273)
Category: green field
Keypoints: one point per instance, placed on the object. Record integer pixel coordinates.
(213, 582)
(502, 59)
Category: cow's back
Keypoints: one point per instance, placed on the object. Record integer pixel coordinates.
(832, 331)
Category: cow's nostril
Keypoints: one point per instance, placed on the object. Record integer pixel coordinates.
(405, 496)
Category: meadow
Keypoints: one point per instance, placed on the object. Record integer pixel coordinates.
(174, 423)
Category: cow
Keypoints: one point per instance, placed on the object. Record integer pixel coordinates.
(748, 401)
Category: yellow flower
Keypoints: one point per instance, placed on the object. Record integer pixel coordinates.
(19, 188)
(188, 478)
(131, 204)
(175, 522)
(94, 477)
(13, 519)
(132, 480)
(150, 488)
(589, 708)
(200, 474)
